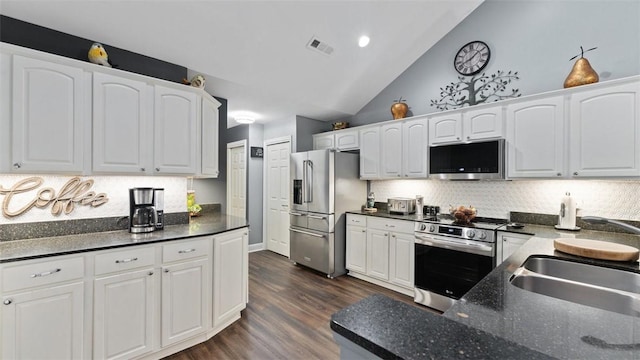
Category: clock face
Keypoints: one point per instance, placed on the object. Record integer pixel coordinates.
(472, 58)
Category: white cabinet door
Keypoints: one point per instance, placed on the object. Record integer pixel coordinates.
(415, 148)
(445, 128)
(44, 324)
(508, 243)
(347, 140)
(175, 120)
(605, 131)
(378, 254)
(323, 141)
(186, 288)
(121, 118)
(391, 150)
(401, 257)
(50, 110)
(485, 123)
(230, 272)
(370, 153)
(357, 249)
(209, 137)
(123, 315)
(536, 138)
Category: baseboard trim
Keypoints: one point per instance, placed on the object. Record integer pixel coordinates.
(257, 247)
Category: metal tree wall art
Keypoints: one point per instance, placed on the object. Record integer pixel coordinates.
(478, 89)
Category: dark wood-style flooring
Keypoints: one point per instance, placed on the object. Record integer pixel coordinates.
(288, 313)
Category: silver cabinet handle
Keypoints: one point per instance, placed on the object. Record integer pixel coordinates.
(317, 217)
(393, 236)
(364, 230)
(575, 173)
(559, 174)
(391, 226)
(150, 273)
(126, 260)
(157, 169)
(186, 251)
(7, 302)
(285, 205)
(17, 165)
(142, 169)
(306, 233)
(46, 273)
(166, 270)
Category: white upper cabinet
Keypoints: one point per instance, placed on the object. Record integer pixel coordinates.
(415, 148)
(445, 128)
(175, 120)
(121, 122)
(391, 150)
(467, 125)
(605, 131)
(49, 114)
(323, 141)
(536, 144)
(347, 140)
(209, 137)
(370, 153)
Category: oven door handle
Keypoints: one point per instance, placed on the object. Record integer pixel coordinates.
(479, 249)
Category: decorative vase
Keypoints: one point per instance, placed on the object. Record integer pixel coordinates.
(581, 74)
(399, 110)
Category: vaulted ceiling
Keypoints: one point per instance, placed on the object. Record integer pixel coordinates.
(255, 53)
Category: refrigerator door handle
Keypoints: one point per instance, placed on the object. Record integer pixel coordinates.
(310, 181)
(304, 181)
(306, 233)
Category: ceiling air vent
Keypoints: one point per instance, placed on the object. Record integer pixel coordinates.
(317, 45)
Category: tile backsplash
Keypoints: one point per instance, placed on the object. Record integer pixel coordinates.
(616, 199)
(115, 187)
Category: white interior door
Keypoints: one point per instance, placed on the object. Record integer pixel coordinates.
(277, 186)
(237, 178)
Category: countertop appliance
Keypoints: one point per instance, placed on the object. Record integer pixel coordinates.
(324, 184)
(400, 205)
(158, 204)
(451, 258)
(142, 214)
(468, 161)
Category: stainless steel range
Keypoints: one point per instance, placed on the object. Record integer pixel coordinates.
(451, 258)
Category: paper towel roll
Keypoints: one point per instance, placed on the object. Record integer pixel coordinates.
(567, 218)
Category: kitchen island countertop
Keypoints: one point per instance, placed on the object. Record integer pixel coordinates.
(16, 250)
(523, 321)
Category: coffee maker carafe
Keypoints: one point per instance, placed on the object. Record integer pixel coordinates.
(142, 214)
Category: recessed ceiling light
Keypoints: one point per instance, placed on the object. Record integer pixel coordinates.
(363, 41)
(245, 120)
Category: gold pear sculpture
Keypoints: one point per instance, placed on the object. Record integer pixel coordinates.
(582, 72)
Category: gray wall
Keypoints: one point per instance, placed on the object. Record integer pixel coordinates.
(255, 173)
(280, 128)
(535, 38)
(305, 127)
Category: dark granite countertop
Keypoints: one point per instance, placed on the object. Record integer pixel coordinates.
(495, 310)
(394, 330)
(16, 250)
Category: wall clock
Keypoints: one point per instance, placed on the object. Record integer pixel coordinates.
(472, 58)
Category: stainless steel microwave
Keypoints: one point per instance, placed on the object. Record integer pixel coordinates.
(468, 161)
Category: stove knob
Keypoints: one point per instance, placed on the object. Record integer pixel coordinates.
(423, 227)
(432, 228)
(482, 235)
(471, 233)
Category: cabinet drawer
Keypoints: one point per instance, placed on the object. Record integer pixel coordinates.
(353, 219)
(390, 225)
(132, 258)
(41, 273)
(186, 249)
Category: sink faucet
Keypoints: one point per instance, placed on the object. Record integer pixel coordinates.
(620, 224)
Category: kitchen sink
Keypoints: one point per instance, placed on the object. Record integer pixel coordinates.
(597, 286)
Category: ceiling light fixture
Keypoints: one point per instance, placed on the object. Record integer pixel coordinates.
(363, 41)
(245, 120)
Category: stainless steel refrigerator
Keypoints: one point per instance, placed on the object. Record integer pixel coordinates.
(324, 184)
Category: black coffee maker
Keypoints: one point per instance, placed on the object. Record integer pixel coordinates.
(143, 216)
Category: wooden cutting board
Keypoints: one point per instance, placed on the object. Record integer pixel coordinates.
(596, 249)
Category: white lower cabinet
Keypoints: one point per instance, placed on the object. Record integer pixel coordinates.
(381, 251)
(229, 275)
(185, 292)
(123, 314)
(508, 243)
(145, 301)
(43, 309)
